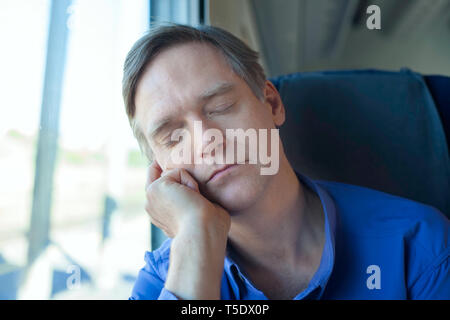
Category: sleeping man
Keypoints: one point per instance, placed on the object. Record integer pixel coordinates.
(242, 224)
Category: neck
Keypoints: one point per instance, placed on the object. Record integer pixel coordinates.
(284, 226)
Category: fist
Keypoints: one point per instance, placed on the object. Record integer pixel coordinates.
(174, 203)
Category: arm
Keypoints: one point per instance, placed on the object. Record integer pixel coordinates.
(199, 230)
(196, 261)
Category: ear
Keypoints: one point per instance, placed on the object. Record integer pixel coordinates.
(273, 100)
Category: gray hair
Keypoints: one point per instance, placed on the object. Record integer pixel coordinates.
(240, 57)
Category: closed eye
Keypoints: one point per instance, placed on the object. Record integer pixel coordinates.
(221, 110)
(170, 143)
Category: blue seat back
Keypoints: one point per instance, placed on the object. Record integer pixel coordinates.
(371, 128)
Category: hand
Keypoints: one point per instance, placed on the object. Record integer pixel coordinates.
(175, 204)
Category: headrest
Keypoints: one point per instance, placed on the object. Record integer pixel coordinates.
(371, 128)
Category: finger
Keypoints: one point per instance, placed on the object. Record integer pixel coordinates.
(183, 177)
(153, 173)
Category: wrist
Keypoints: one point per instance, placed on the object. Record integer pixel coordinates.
(196, 264)
(210, 221)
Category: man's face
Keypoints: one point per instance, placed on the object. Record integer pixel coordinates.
(192, 82)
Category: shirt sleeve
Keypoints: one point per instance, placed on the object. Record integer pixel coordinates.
(167, 295)
(434, 283)
(149, 284)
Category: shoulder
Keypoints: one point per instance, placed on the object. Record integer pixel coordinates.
(367, 212)
(401, 234)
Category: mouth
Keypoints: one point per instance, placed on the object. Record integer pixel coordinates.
(217, 174)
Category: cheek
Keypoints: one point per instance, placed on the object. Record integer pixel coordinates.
(255, 115)
(241, 191)
(166, 160)
(162, 157)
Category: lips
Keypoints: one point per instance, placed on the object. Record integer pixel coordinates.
(218, 171)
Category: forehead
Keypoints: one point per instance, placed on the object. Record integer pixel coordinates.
(176, 77)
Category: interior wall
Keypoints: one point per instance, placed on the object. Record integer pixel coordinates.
(427, 52)
(237, 17)
(277, 29)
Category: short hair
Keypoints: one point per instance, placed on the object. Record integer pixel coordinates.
(240, 57)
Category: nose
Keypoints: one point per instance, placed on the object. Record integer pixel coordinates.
(208, 143)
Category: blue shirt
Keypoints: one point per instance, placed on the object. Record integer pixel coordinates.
(377, 246)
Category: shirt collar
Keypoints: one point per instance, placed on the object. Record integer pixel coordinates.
(325, 269)
(319, 280)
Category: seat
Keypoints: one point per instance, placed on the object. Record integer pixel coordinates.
(388, 131)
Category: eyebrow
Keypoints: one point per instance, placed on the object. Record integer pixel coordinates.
(216, 90)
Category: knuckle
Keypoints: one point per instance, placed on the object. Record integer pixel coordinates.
(154, 186)
(164, 182)
(149, 187)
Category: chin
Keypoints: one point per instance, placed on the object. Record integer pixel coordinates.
(240, 190)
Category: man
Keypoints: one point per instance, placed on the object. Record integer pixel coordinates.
(238, 234)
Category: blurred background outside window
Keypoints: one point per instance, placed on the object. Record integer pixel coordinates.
(72, 219)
